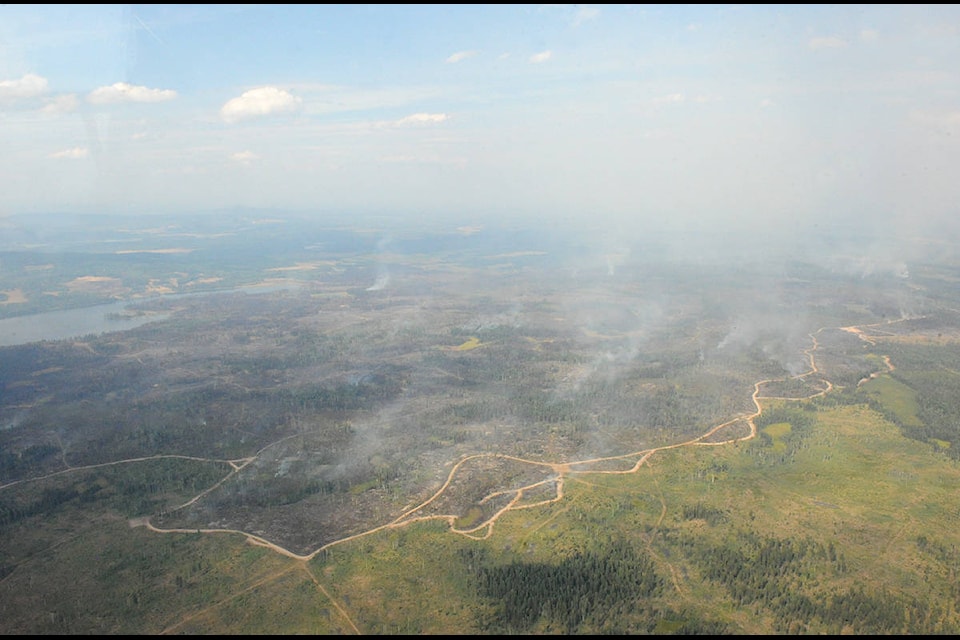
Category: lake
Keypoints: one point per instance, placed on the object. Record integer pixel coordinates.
(101, 318)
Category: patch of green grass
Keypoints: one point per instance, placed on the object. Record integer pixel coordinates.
(777, 433)
(894, 396)
(471, 518)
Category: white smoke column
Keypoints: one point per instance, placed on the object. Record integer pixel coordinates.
(383, 279)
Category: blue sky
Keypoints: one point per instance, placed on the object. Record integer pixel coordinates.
(632, 114)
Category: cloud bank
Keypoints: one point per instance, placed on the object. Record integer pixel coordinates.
(543, 56)
(124, 92)
(422, 118)
(259, 102)
(460, 55)
(29, 86)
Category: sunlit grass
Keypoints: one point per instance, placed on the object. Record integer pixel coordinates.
(777, 433)
(472, 343)
(894, 396)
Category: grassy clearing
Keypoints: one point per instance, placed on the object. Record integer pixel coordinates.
(896, 397)
(777, 433)
(469, 345)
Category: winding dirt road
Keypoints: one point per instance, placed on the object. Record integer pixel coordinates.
(559, 472)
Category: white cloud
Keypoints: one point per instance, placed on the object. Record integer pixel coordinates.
(543, 56)
(61, 104)
(76, 153)
(869, 35)
(422, 118)
(262, 101)
(245, 157)
(460, 55)
(29, 86)
(826, 42)
(124, 92)
(766, 102)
